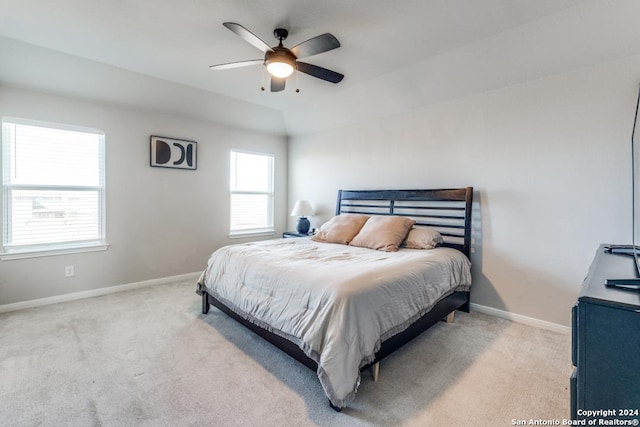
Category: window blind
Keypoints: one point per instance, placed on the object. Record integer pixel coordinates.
(53, 186)
(251, 193)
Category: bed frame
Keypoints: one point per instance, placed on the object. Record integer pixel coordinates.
(448, 210)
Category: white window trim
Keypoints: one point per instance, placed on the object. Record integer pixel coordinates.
(269, 231)
(60, 248)
(35, 253)
(242, 235)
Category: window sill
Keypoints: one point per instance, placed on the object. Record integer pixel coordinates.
(7, 256)
(252, 234)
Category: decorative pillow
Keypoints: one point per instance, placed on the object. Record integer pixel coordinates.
(341, 228)
(423, 238)
(384, 233)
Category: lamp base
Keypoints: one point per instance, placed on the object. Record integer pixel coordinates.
(302, 227)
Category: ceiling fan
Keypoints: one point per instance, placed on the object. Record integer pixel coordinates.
(281, 61)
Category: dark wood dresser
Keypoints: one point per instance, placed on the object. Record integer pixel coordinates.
(606, 343)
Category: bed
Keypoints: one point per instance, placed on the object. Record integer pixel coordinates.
(340, 309)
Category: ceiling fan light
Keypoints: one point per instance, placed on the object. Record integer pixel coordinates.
(279, 69)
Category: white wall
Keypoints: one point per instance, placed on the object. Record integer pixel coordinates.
(549, 161)
(160, 222)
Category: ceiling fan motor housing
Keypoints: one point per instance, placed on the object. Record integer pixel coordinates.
(280, 54)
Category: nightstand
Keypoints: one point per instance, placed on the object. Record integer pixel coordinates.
(291, 234)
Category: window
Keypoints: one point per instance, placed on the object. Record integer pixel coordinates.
(251, 193)
(53, 188)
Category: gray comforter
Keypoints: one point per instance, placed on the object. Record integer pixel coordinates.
(336, 302)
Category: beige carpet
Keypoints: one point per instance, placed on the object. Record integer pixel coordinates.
(149, 358)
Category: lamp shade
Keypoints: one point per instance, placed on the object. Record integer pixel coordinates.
(302, 208)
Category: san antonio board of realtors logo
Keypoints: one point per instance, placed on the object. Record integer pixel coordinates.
(173, 153)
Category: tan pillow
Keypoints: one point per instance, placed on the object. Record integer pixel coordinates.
(384, 233)
(423, 238)
(341, 228)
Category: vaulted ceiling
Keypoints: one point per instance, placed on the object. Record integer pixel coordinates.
(396, 55)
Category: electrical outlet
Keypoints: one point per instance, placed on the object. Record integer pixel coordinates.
(69, 271)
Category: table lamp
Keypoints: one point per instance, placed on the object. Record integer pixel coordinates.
(302, 209)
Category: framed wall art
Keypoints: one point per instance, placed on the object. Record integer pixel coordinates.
(173, 153)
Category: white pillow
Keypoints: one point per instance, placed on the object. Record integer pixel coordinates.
(423, 238)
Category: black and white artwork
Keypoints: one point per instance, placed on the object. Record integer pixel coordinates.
(173, 153)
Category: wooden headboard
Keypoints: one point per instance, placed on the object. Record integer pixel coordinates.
(448, 211)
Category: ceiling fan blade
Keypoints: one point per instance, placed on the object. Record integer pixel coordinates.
(277, 84)
(320, 44)
(319, 72)
(248, 36)
(237, 64)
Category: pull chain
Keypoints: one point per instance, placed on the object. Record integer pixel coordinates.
(297, 80)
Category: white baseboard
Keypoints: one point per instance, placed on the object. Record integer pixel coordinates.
(95, 292)
(542, 324)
